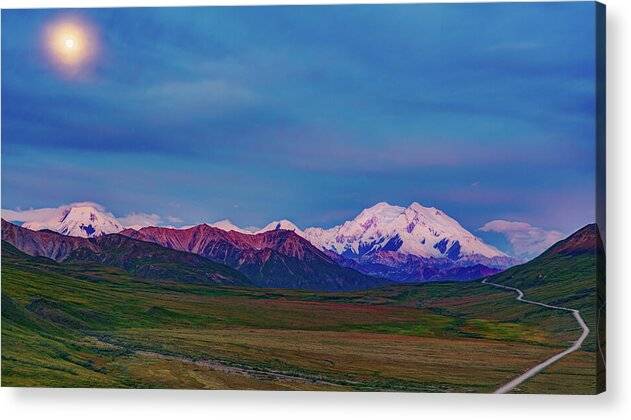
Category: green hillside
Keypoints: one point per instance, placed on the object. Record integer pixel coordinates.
(568, 275)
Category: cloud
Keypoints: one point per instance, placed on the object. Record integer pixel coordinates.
(526, 240)
(200, 94)
(514, 46)
(138, 220)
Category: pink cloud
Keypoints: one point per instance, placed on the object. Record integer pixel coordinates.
(527, 241)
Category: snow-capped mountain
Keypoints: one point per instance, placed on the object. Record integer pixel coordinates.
(413, 243)
(84, 221)
(282, 224)
(416, 230)
(227, 225)
(425, 232)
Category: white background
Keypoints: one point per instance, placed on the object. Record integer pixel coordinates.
(50, 404)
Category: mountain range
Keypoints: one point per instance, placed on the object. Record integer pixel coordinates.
(143, 259)
(275, 258)
(406, 244)
(202, 254)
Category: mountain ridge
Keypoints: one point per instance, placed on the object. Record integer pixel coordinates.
(276, 258)
(585, 240)
(144, 259)
(423, 223)
(413, 243)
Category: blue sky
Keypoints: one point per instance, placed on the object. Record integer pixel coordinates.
(308, 113)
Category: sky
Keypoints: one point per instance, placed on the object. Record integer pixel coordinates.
(313, 113)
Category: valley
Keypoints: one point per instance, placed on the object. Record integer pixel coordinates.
(87, 324)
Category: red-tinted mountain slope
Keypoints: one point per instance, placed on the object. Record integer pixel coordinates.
(143, 259)
(278, 258)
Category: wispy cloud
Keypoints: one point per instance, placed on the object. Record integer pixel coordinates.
(136, 220)
(514, 46)
(526, 240)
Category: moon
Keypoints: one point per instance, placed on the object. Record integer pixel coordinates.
(71, 44)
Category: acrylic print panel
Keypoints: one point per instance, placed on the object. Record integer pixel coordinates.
(335, 198)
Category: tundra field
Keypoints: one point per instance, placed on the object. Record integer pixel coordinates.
(88, 325)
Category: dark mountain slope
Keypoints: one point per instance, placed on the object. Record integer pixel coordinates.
(584, 241)
(413, 269)
(43, 243)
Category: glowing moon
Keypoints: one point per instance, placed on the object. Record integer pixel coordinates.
(71, 44)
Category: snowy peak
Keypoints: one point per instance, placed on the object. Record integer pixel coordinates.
(416, 230)
(282, 224)
(227, 225)
(82, 221)
(382, 213)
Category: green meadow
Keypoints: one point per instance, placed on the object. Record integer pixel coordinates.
(87, 325)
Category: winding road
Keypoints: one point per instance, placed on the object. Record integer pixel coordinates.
(541, 366)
